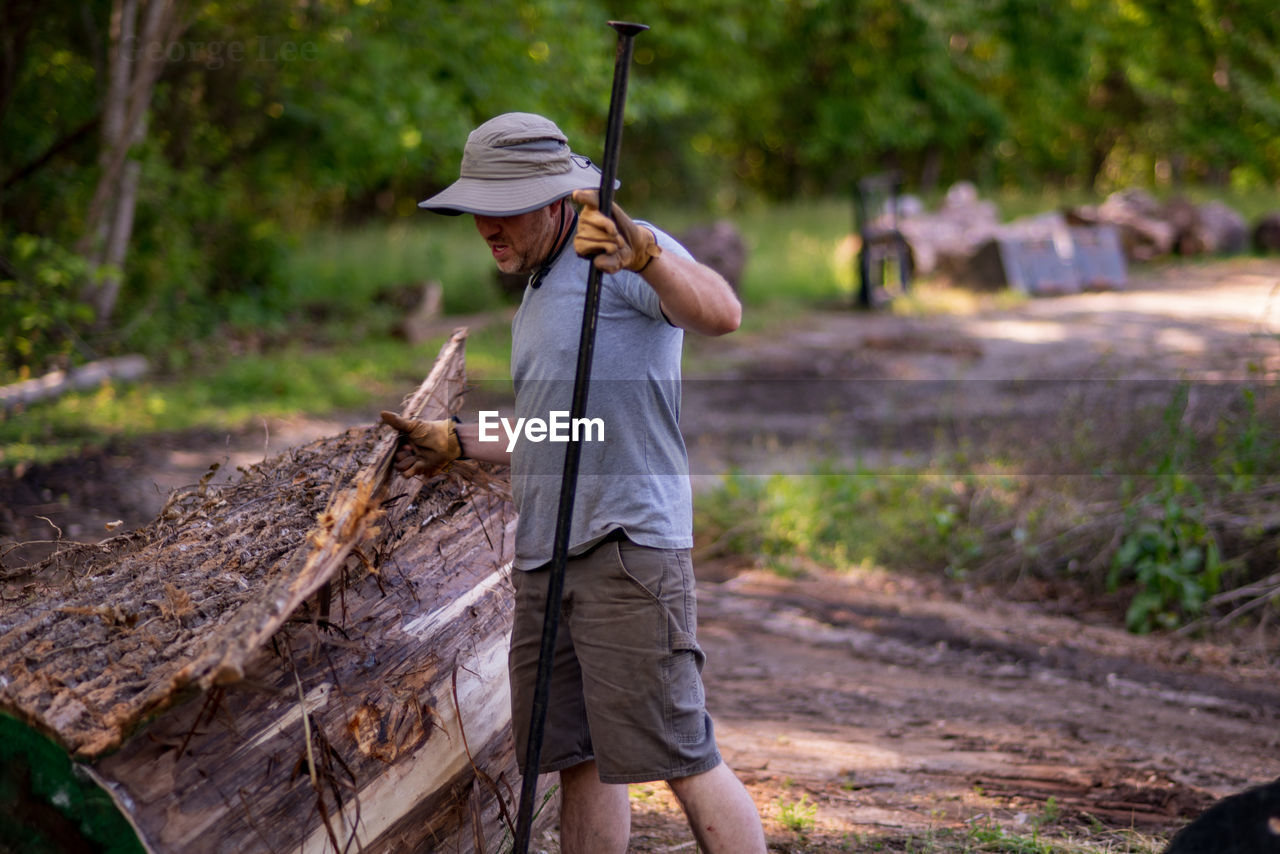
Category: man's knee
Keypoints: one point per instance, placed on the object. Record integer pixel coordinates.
(582, 773)
(715, 776)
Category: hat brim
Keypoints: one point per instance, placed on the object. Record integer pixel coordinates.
(512, 196)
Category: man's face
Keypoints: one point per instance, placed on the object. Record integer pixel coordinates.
(520, 243)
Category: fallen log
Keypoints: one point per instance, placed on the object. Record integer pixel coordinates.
(1145, 231)
(57, 383)
(1150, 229)
(310, 658)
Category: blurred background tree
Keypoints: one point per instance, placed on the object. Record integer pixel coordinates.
(268, 118)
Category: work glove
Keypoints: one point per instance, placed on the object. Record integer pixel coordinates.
(426, 447)
(617, 243)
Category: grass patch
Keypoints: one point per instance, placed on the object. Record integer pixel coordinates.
(344, 271)
(990, 838)
(797, 254)
(833, 518)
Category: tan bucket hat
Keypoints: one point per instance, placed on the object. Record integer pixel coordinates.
(513, 164)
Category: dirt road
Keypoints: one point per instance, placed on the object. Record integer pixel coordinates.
(865, 709)
(869, 711)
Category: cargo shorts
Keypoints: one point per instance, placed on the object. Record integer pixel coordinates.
(626, 685)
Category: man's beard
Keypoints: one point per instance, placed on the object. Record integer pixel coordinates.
(517, 265)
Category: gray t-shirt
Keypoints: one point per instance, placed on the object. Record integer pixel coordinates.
(636, 475)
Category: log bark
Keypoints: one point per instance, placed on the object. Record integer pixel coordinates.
(312, 658)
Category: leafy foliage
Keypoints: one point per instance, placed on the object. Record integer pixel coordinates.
(1169, 550)
(39, 300)
(1171, 555)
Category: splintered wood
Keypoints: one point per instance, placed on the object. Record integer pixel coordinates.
(312, 656)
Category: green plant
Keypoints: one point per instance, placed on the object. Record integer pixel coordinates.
(1173, 557)
(1168, 549)
(1247, 446)
(1051, 813)
(74, 812)
(798, 816)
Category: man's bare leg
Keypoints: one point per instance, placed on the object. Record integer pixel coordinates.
(595, 817)
(723, 817)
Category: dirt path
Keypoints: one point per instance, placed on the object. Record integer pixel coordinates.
(872, 712)
(864, 710)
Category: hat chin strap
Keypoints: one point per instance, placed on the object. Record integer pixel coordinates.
(557, 248)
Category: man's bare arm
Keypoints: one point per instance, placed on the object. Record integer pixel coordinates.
(694, 296)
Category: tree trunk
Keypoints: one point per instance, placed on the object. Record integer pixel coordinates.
(280, 665)
(135, 65)
(17, 18)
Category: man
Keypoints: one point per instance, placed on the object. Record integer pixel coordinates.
(626, 700)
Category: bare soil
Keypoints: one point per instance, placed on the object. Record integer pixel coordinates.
(876, 711)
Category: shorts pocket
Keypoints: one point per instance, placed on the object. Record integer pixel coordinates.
(645, 567)
(682, 672)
